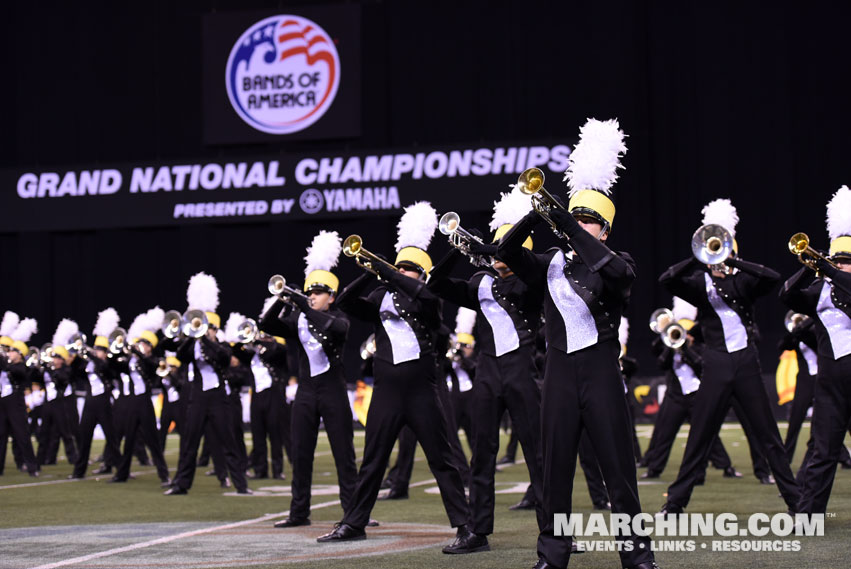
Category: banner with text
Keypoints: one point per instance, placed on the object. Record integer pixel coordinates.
(268, 188)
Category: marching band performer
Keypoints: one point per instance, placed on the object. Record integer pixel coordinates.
(56, 376)
(585, 289)
(407, 319)
(173, 408)
(318, 331)
(207, 360)
(139, 365)
(508, 314)
(14, 379)
(724, 295)
(827, 300)
(461, 371)
(92, 367)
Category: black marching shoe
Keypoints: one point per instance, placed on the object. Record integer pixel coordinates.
(225, 483)
(280, 476)
(372, 523)
(292, 523)
(116, 480)
(75, 477)
(386, 483)
(175, 491)
(670, 508)
(165, 483)
(645, 565)
(767, 480)
(394, 495)
(246, 491)
(103, 470)
(651, 475)
(574, 548)
(542, 564)
(731, 472)
(467, 542)
(602, 505)
(505, 460)
(523, 504)
(342, 532)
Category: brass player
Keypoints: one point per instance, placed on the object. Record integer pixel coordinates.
(56, 376)
(14, 379)
(827, 300)
(585, 287)
(407, 318)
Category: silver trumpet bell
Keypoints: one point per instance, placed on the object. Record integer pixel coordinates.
(247, 331)
(460, 238)
(278, 287)
(117, 340)
(712, 244)
(792, 319)
(171, 324)
(194, 323)
(661, 319)
(674, 336)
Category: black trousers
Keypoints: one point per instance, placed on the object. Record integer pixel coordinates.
(591, 469)
(583, 391)
(727, 376)
(141, 420)
(322, 397)
(407, 394)
(13, 421)
(234, 402)
(503, 383)
(207, 408)
(55, 427)
(761, 468)
(674, 411)
(96, 410)
(462, 405)
(805, 385)
(400, 474)
(831, 415)
(171, 412)
(266, 410)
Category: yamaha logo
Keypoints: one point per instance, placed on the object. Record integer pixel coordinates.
(283, 74)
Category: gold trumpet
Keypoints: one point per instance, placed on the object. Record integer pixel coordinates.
(353, 247)
(278, 287)
(799, 245)
(531, 183)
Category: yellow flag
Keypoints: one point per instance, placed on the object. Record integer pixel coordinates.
(787, 376)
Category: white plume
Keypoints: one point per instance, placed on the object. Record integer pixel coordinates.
(267, 304)
(416, 228)
(107, 322)
(137, 327)
(465, 321)
(25, 330)
(323, 253)
(839, 213)
(10, 322)
(151, 321)
(623, 331)
(683, 309)
(232, 326)
(64, 331)
(203, 293)
(721, 212)
(510, 208)
(594, 162)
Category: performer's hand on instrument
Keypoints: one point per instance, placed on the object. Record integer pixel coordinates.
(301, 302)
(484, 249)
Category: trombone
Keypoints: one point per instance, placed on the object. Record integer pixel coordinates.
(712, 244)
(799, 244)
(460, 238)
(278, 287)
(531, 183)
(353, 247)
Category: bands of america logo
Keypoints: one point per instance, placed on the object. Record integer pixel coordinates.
(283, 74)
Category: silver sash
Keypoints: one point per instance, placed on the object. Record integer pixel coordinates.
(836, 322)
(5, 384)
(50, 387)
(580, 328)
(209, 377)
(139, 386)
(262, 377)
(810, 357)
(505, 338)
(94, 381)
(403, 340)
(319, 363)
(689, 382)
(735, 335)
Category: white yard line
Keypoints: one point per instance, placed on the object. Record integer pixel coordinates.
(66, 480)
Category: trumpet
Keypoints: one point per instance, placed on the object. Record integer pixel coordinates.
(793, 319)
(117, 341)
(712, 244)
(799, 244)
(248, 332)
(278, 287)
(171, 324)
(34, 357)
(78, 346)
(460, 238)
(162, 368)
(531, 183)
(353, 247)
(674, 336)
(47, 354)
(194, 323)
(367, 349)
(661, 319)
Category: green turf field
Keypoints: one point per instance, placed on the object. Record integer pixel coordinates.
(50, 522)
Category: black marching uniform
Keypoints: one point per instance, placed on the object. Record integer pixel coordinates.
(55, 424)
(507, 319)
(267, 361)
(584, 297)
(828, 303)
(97, 409)
(207, 363)
(318, 337)
(174, 407)
(14, 379)
(731, 369)
(140, 418)
(407, 319)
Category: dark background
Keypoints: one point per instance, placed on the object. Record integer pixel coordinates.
(746, 103)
